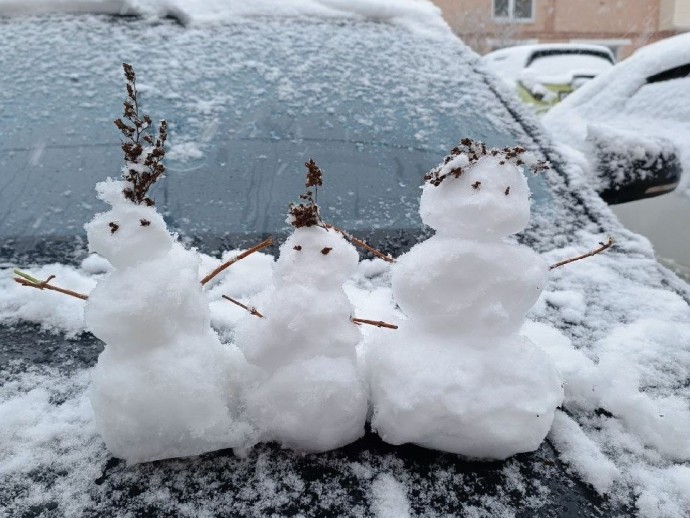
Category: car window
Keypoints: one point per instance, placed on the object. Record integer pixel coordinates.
(567, 64)
(668, 99)
(247, 105)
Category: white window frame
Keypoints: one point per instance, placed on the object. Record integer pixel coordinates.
(511, 13)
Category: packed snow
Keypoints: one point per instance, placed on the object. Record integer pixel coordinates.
(312, 396)
(164, 385)
(457, 376)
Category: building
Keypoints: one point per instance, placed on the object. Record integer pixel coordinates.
(622, 25)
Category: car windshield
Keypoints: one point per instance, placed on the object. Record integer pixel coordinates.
(247, 104)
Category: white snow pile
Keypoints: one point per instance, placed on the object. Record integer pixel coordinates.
(312, 396)
(419, 15)
(164, 386)
(621, 99)
(457, 376)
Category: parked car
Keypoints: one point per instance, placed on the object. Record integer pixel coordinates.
(545, 74)
(377, 97)
(632, 120)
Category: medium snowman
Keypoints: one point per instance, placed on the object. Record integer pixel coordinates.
(458, 376)
(164, 385)
(312, 397)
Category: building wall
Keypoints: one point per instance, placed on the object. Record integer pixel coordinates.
(623, 25)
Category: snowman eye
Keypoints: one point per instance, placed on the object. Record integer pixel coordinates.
(476, 185)
(144, 222)
(113, 227)
(325, 250)
(507, 191)
(298, 248)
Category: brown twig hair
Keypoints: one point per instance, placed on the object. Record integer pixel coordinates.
(143, 166)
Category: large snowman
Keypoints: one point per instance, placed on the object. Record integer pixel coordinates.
(457, 376)
(164, 386)
(312, 396)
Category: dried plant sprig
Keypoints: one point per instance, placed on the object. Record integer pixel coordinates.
(143, 153)
(306, 213)
(358, 242)
(475, 151)
(25, 279)
(376, 323)
(602, 247)
(250, 309)
(227, 264)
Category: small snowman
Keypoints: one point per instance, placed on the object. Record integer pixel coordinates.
(312, 396)
(458, 376)
(164, 385)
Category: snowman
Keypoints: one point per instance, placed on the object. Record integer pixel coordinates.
(312, 397)
(164, 386)
(458, 376)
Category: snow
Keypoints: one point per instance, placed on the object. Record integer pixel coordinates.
(418, 15)
(619, 101)
(164, 386)
(390, 498)
(456, 376)
(510, 63)
(312, 396)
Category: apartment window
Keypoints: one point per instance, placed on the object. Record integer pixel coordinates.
(513, 10)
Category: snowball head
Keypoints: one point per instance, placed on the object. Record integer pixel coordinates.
(456, 285)
(317, 257)
(301, 322)
(175, 401)
(313, 405)
(148, 305)
(463, 400)
(128, 233)
(487, 200)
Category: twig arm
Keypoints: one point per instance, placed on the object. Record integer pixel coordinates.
(27, 280)
(358, 242)
(376, 323)
(268, 242)
(251, 310)
(604, 246)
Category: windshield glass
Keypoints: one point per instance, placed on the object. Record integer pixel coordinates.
(247, 104)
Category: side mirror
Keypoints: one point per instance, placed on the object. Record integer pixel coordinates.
(631, 166)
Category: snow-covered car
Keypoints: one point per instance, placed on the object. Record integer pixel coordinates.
(545, 74)
(632, 121)
(377, 93)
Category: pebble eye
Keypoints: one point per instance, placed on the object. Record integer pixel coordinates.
(113, 227)
(325, 250)
(144, 222)
(298, 247)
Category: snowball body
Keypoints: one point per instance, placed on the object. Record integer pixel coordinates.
(164, 386)
(311, 397)
(457, 376)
